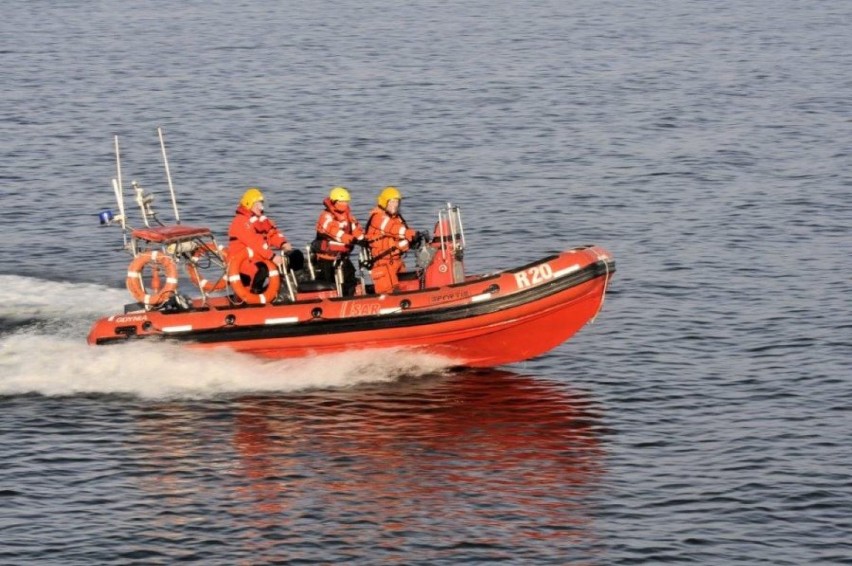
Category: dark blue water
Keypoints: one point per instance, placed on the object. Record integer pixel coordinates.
(703, 418)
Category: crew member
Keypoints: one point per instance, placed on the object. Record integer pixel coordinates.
(250, 228)
(338, 232)
(389, 237)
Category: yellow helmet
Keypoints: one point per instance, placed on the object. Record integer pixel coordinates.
(387, 194)
(250, 197)
(339, 193)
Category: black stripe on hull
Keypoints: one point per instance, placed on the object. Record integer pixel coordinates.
(380, 322)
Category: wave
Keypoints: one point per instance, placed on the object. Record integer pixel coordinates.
(43, 350)
(27, 299)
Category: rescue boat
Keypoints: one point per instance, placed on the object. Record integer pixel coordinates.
(481, 320)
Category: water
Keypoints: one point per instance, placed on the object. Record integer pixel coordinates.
(703, 418)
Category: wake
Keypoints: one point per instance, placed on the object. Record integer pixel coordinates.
(43, 350)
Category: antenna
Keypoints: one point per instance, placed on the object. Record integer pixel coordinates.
(168, 174)
(118, 189)
(120, 199)
(118, 170)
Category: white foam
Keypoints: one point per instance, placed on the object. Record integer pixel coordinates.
(51, 357)
(56, 366)
(27, 297)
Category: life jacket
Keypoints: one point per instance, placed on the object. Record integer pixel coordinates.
(389, 236)
(336, 232)
(259, 233)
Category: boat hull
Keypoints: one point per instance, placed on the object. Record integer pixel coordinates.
(487, 321)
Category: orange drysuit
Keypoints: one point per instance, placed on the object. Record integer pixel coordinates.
(389, 238)
(256, 232)
(337, 232)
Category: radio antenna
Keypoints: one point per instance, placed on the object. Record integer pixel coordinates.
(168, 175)
(118, 189)
(118, 167)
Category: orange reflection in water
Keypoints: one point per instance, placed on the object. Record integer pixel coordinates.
(491, 458)
(492, 455)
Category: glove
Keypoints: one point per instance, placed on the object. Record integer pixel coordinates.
(363, 243)
(415, 241)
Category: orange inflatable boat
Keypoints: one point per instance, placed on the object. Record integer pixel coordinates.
(476, 320)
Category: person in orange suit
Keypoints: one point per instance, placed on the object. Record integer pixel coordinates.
(389, 237)
(251, 228)
(338, 232)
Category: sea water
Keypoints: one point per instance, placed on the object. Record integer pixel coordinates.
(702, 418)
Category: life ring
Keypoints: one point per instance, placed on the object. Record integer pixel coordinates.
(195, 275)
(157, 295)
(243, 291)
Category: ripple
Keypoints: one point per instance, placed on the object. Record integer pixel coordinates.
(701, 418)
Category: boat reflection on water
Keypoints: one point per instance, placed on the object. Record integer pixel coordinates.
(488, 456)
(470, 450)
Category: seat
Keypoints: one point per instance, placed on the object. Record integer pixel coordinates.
(315, 286)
